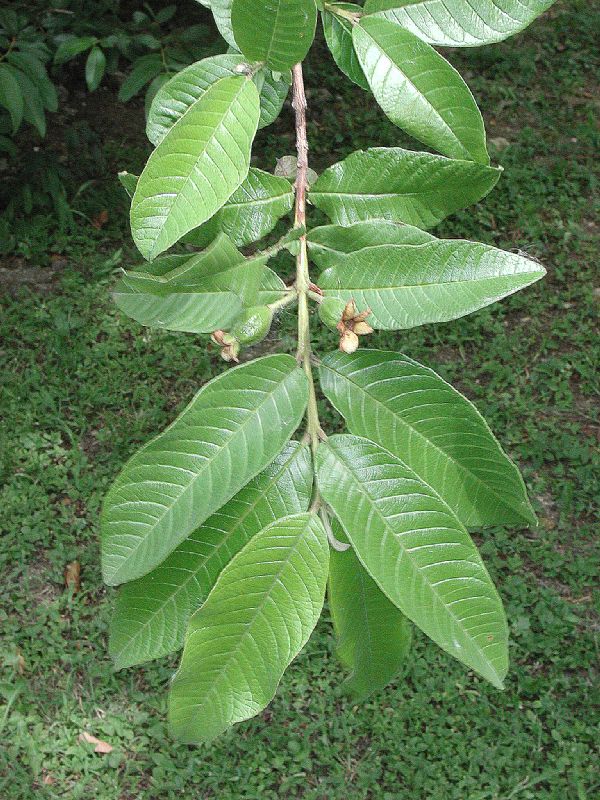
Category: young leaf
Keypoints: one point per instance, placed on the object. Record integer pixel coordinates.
(255, 621)
(176, 96)
(437, 432)
(373, 635)
(279, 32)
(419, 90)
(233, 428)
(338, 35)
(401, 186)
(152, 613)
(205, 293)
(251, 212)
(416, 550)
(128, 182)
(461, 23)
(197, 166)
(406, 285)
(330, 245)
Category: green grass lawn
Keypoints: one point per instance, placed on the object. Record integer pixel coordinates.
(82, 387)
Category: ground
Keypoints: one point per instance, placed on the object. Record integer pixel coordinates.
(83, 387)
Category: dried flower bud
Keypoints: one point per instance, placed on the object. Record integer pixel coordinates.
(362, 328)
(348, 342)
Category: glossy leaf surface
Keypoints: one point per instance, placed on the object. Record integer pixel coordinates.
(221, 10)
(406, 285)
(416, 550)
(338, 35)
(201, 161)
(461, 23)
(152, 613)
(255, 621)
(373, 636)
(278, 32)
(437, 432)
(419, 90)
(401, 186)
(232, 429)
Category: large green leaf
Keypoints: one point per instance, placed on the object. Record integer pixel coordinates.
(437, 432)
(233, 428)
(406, 285)
(255, 621)
(416, 550)
(373, 635)
(201, 161)
(278, 32)
(338, 35)
(175, 97)
(419, 90)
(251, 212)
(205, 293)
(461, 23)
(330, 245)
(272, 288)
(152, 613)
(400, 185)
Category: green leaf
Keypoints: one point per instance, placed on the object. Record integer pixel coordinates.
(11, 97)
(251, 212)
(279, 33)
(330, 245)
(152, 613)
(94, 68)
(33, 107)
(437, 432)
(373, 636)
(419, 90)
(144, 70)
(36, 72)
(416, 550)
(400, 185)
(221, 10)
(406, 285)
(203, 294)
(271, 289)
(255, 621)
(233, 428)
(176, 96)
(197, 166)
(461, 23)
(338, 35)
(72, 47)
(128, 182)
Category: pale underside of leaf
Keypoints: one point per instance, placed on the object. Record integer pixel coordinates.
(438, 433)
(416, 550)
(152, 613)
(232, 429)
(255, 621)
(401, 186)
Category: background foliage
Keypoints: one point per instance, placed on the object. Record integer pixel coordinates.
(83, 388)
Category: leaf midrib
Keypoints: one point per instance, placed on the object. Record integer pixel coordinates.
(207, 463)
(226, 536)
(438, 449)
(405, 552)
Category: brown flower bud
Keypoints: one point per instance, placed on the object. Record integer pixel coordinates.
(348, 342)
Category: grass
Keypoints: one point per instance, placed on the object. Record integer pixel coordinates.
(83, 387)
